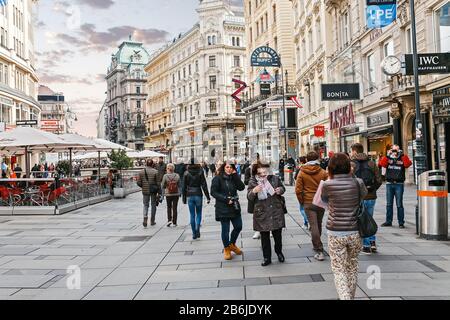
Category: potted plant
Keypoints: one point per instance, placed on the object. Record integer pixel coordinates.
(120, 161)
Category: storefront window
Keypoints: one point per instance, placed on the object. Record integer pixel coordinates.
(442, 22)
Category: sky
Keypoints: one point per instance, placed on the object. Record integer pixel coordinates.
(75, 40)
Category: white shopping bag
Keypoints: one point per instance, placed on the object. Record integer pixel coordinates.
(317, 201)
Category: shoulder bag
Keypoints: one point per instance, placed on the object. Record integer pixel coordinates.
(366, 223)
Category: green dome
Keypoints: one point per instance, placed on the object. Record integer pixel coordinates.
(131, 52)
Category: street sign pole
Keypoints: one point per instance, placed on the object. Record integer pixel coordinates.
(420, 157)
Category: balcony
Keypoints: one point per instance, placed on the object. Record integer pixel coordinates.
(290, 90)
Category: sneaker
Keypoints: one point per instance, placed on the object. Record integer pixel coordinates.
(366, 250)
(402, 226)
(319, 256)
(257, 235)
(373, 247)
(386, 224)
(305, 226)
(194, 236)
(169, 223)
(174, 225)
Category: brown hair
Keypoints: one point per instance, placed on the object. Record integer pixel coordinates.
(358, 148)
(339, 164)
(312, 156)
(150, 163)
(257, 166)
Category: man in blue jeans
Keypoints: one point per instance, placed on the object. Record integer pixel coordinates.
(368, 171)
(194, 186)
(396, 164)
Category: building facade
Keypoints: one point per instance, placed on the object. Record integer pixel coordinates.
(269, 24)
(312, 40)
(158, 120)
(56, 116)
(18, 79)
(204, 121)
(386, 112)
(126, 95)
(102, 122)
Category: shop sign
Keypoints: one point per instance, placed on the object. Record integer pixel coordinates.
(292, 143)
(279, 104)
(378, 2)
(26, 123)
(305, 133)
(340, 91)
(211, 115)
(378, 120)
(381, 13)
(441, 101)
(342, 117)
(265, 89)
(429, 63)
(265, 57)
(319, 131)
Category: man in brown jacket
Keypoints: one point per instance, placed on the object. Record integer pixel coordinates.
(306, 187)
(150, 182)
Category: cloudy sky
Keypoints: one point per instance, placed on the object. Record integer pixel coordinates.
(75, 40)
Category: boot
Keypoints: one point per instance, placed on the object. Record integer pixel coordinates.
(227, 253)
(235, 249)
(145, 222)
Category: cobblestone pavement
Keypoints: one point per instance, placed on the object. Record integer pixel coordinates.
(119, 259)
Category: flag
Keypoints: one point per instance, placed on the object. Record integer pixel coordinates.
(296, 102)
(3, 3)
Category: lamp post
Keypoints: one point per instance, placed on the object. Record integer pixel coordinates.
(283, 92)
(420, 157)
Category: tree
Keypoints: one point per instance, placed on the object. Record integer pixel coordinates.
(120, 161)
(63, 167)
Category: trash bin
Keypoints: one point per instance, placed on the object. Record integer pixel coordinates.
(433, 205)
(288, 175)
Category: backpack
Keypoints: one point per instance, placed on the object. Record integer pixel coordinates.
(172, 187)
(365, 173)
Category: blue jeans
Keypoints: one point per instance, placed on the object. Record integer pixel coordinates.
(237, 228)
(395, 190)
(195, 204)
(370, 207)
(305, 217)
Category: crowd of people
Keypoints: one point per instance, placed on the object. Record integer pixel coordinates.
(340, 184)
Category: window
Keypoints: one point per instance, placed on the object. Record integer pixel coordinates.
(238, 41)
(173, 78)
(408, 40)
(318, 33)
(274, 11)
(179, 75)
(275, 42)
(190, 69)
(388, 48)
(196, 86)
(138, 104)
(196, 65)
(371, 71)
(138, 90)
(184, 73)
(212, 82)
(212, 106)
(249, 7)
(179, 92)
(212, 61)
(237, 85)
(233, 41)
(190, 89)
(442, 24)
(184, 91)
(237, 61)
(311, 44)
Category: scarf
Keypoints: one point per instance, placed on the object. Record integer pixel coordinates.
(267, 189)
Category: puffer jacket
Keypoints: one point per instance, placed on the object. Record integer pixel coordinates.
(152, 178)
(223, 187)
(268, 214)
(194, 182)
(361, 158)
(308, 182)
(343, 197)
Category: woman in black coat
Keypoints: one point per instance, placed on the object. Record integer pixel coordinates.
(224, 188)
(265, 192)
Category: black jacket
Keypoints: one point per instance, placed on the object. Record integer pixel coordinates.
(180, 169)
(222, 188)
(194, 182)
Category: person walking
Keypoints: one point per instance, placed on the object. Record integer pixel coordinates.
(281, 166)
(367, 170)
(194, 186)
(343, 193)
(150, 182)
(171, 186)
(307, 183)
(250, 204)
(301, 162)
(212, 167)
(180, 169)
(266, 191)
(224, 188)
(396, 163)
(161, 167)
(206, 169)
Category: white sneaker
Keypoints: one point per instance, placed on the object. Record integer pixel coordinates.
(169, 223)
(319, 257)
(257, 235)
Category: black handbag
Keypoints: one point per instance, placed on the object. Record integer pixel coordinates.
(367, 225)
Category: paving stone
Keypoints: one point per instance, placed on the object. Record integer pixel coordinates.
(113, 293)
(143, 260)
(23, 281)
(102, 261)
(62, 294)
(208, 258)
(228, 293)
(128, 276)
(199, 266)
(244, 282)
(196, 275)
(42, 264)
(291, 279)
(89, 278)
(294, 269)
(192, 285)
(408, 288)
(66, 252)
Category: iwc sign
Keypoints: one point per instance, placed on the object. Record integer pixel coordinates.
(429, 63)
(265, 57)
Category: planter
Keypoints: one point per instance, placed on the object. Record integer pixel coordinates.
(119, 193)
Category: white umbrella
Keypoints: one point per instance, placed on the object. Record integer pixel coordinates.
(145, 154)
(111, 145)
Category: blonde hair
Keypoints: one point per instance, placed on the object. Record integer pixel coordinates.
(171, 167)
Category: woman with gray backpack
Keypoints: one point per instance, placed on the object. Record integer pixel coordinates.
(171, 186)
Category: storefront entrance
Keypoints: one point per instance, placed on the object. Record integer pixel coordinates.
(441, 116)
(378, 146)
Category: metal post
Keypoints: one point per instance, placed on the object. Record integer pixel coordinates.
(420, 158)
(70, 163)
(284, 111)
